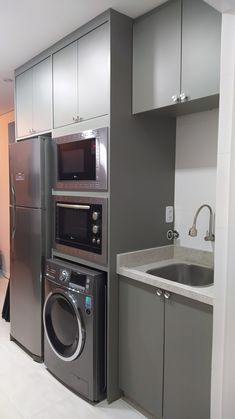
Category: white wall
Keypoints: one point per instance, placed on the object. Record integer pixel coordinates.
(195, 174)
(223, 359)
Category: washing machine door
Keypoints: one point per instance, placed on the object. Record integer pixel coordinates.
(63, 325)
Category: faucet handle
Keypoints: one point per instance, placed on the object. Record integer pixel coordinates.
(209, 237)
(193, 231)
(172, 234)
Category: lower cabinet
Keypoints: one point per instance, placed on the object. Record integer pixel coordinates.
(141, 337)
(165, 347)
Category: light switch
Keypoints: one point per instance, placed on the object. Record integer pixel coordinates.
(169, 214)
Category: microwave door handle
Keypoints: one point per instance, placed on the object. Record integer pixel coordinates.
(74, 206)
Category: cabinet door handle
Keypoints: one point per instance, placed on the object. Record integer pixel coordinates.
(159, 292)
(175, 98)
(167, 295)
(77, 118)
(183, 97)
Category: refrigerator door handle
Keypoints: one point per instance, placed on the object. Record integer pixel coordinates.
(14, 211)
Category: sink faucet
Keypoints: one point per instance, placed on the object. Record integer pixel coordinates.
(193, 230)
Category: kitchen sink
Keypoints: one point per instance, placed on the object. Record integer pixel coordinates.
(188, 274)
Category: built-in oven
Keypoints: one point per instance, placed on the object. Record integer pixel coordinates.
(80, 227)
(80, 160)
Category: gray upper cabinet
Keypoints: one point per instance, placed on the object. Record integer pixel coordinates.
(93, 74)
(24, 103)
(156, 58)
(33, 100)
(201, 38)
(176, 54)
(65, 90)
(81, 78)
(42, 96)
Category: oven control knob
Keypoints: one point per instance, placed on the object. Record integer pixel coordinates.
(95, 229)
(64, 275)
(98, 241)
(95, 215)
(94, 240)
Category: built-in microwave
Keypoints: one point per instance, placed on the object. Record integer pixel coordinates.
(80, 160)
(80, 227)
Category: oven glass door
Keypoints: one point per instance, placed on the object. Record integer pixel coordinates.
(77, 160)
(73, 225)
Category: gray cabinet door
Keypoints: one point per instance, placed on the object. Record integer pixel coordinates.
(65, 90)
(24, 103)
(188, 349)
(93, 73)
(141, 319)
(156, 58)
(42, 95)
(201, 33)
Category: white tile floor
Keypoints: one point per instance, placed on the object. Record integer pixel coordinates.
(28, 391)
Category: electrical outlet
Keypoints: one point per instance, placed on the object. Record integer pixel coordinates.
(169, 214)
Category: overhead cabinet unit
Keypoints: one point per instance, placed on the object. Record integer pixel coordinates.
(176, 54)
(34, 99)
(81, 78)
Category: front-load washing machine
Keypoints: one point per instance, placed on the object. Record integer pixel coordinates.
(74, 318)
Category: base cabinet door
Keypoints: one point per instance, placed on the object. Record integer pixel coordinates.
(188, 349)
(141, 319)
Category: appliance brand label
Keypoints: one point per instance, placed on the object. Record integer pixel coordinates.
(19, 176)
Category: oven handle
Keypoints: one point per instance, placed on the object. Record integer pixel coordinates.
(74, 206)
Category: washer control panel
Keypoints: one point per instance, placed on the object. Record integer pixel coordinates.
(64, 275)
(73, 276)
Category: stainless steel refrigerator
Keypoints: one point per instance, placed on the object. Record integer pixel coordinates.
(30, 189)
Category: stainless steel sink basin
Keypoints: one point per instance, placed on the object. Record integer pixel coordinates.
(194, 275)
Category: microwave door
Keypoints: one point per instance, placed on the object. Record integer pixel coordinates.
(77, 160)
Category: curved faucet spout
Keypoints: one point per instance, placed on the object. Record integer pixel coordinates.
(193, 230)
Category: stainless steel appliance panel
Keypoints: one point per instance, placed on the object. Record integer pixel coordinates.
(26, 277)
(100, 182)
(77, 201)
(26, 173)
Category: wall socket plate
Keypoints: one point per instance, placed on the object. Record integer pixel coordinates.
(169, 214)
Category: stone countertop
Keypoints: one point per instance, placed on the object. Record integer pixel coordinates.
(135, 264)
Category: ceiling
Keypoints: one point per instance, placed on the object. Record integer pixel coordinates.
(28, 27)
